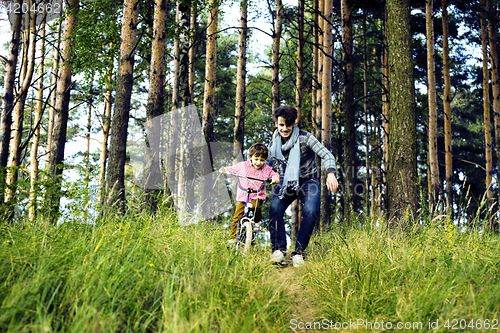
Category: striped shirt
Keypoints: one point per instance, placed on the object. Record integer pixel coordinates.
(246, 169)
(309, 148)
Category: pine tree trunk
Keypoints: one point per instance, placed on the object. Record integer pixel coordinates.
(36, 135)
(495, 78)
(53, 94)
(348, 111)
(115, 185)
(61, 114)
(486, 104)
(185, 186)
(315, 79)
(385, 113)
(153, 180)
(326, 101)
(8, 99)
(294, 227)
(367, 191)
(319, 73)
(278, 26)
(239, 112)
(447, 111)
(106, 124)
(402, 172)
(431, 94)
(18, 112)
(208, 104)
(192, 49)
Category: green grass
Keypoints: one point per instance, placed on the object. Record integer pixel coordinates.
(146, 274)
(135, 275)
(434, 274)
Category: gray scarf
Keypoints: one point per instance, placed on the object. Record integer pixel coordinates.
(292, 165)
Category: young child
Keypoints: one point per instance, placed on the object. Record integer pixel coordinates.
(255, 167)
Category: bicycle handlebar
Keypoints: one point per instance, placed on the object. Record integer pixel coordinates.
(249, 190)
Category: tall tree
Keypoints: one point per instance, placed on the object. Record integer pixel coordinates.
(495, 76)
(26, 76)
(106, 125)
(348, 110)
(326, 101)
(61, 112)
(277, 30)
(402, 168)
(185, 176)
(36, 135)
(447, 110)
(239, 112)
(385, 106)
(8, 97)
(209, 99)
(296, 205)
(192, 49)
(434, 189)
(486, 102)
(156, 104)
(316, 63)
(118, 143)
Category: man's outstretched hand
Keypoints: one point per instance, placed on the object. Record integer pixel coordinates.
(331, 182)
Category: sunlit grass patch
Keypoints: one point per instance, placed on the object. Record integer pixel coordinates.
(433, 274)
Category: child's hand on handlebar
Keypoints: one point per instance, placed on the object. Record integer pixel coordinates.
(223, 170)
(275, 180)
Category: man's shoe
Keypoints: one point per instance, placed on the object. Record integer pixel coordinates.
(297, 260)
(277, 257)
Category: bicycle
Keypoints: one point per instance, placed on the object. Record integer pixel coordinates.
(247, 227)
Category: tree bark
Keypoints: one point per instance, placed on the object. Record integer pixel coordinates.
(192, 49)
(348, 111)
(278, 26)
(434, 189)
(124, 81)
(106, 124)
(402, 172)
(36, 135)
(385, 111)
(18, 111)
(61, 114)
(239, 112)
(486, 103)
(209, 103)
(495, 78)
(185, 187)
(8, 98)
(447, 111)
(153, 180)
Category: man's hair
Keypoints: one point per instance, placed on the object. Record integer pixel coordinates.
(286, 112)
(258, 150)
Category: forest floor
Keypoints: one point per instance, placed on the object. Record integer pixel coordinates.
(302, 306)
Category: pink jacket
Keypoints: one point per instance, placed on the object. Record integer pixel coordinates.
(246, 169)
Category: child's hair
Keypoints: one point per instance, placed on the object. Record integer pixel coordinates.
(258, 150)
(286, 112)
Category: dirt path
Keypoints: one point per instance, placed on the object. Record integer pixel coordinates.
(302, 307)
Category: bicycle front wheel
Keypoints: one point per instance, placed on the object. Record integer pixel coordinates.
(245, 235)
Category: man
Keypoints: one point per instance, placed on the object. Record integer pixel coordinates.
(293, 154)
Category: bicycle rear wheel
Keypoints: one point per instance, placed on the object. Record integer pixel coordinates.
(244, 235)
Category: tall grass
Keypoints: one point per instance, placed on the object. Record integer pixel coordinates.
(137, 274)
(435, 274)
